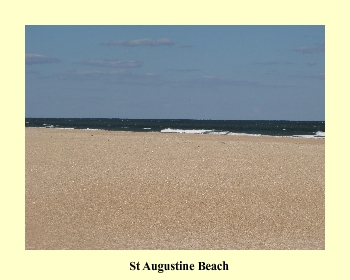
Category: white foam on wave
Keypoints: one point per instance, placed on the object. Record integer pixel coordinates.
(204, 131)
(220, 132)
(243, 134)
(191, 131)
(317, 135)
(320, 133)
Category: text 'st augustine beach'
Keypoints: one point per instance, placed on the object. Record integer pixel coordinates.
(99, 189)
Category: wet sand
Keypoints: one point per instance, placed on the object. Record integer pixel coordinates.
(90, 189)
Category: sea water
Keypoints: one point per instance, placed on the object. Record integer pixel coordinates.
(300, 129)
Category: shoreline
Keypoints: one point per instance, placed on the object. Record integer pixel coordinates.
(306, 136)
(98, 189)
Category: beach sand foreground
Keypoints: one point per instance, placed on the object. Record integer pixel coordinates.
(88, 189)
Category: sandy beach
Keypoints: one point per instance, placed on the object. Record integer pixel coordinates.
(93, 189)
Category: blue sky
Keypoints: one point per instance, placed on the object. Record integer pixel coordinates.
(192, 72)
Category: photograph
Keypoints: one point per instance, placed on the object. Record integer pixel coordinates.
(175, 137)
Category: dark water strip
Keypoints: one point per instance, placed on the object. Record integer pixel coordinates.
(265, 127)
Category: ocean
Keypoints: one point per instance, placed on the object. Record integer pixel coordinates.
(301, 129)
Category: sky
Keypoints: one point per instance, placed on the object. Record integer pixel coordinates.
(175, 72)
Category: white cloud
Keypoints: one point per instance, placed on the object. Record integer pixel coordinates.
(273, 63)
(31, 71)
(114, 63)
(186, 46)
(80, 75)
(312, 63)
(39, 59)
(319, 76)
(221, 81)
(185, 70)
(112, 76)
(310, 49)
(141, 42)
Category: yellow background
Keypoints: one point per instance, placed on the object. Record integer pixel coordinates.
(16, 263)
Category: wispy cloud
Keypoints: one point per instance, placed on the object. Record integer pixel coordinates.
(40, 59)
(319, 76)
(82, 75)
(113, 63)
(310, 49)
(212, 81)
(218, 81)
(31, 72)
(185, 70)
(122, 76)
(186, 46)
(140, 42)
(113, 76)
(273, 63)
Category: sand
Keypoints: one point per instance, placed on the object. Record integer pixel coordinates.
(111, 190)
